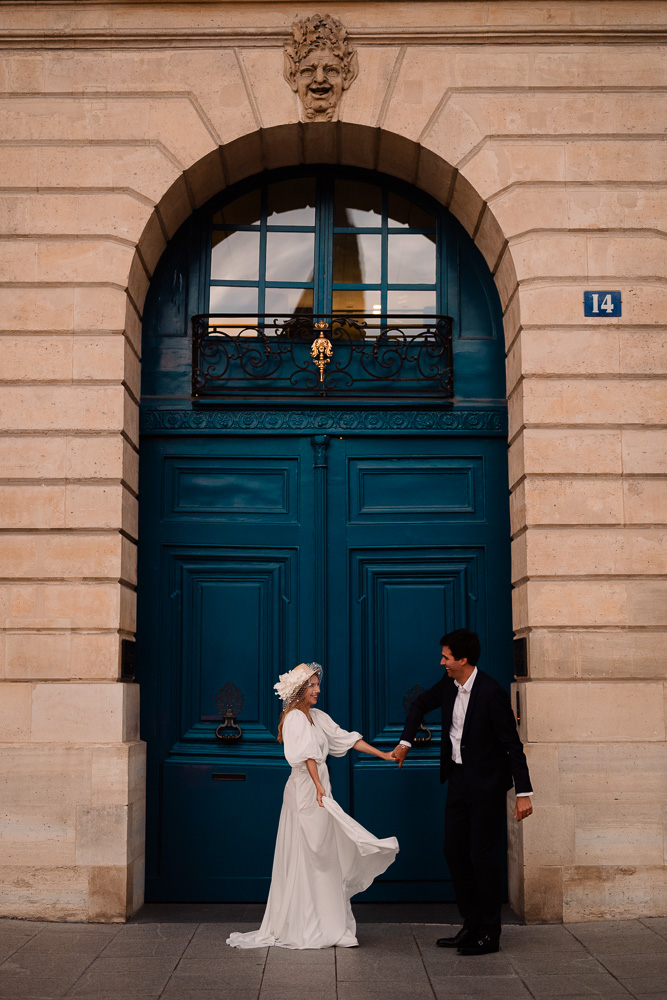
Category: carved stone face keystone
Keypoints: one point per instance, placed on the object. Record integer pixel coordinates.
(319, 65)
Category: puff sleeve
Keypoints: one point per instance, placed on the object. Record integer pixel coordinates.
(339, 740)
(299, 741)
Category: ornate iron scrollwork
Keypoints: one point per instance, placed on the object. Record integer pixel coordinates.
(361, 357)
(229, 702)
(408, 698)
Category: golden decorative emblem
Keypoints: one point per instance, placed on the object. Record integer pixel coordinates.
(321, 351)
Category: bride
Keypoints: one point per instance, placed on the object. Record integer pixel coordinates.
(322, 856)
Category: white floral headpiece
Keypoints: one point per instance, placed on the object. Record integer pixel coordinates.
(293, 680)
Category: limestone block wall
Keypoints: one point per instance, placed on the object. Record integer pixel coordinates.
(541, 127)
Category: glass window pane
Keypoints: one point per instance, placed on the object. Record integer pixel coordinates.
(356, 302)
(420, 303)
(234, 256)
(289, 301)
(227, 298)
(243, 211)
(292, 203)
(411, 259)
(289, 256)
(357, 258)
(357, 204)
(405, 213)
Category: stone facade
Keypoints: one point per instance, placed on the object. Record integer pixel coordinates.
(539, 125)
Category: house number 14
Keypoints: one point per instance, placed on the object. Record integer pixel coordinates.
(602, 304)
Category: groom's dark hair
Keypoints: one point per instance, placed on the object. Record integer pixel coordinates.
(463, 644)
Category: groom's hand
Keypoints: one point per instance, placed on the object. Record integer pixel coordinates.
(523, 808)
(399, 754)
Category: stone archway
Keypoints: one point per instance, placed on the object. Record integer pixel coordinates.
(337, 144)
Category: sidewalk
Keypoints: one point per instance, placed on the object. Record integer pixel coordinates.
(173, 960)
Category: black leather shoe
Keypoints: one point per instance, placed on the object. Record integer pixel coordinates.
(480, 944)
(454, 942)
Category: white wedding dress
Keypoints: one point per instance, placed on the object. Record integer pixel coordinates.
(323, 856)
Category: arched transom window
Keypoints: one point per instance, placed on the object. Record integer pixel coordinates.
(325, 244)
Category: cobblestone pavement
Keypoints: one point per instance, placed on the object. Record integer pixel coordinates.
(176, 960)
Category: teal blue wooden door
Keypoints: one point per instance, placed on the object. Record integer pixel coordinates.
(352, 532)
(356, 551)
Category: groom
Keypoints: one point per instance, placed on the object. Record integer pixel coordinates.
(481, 754)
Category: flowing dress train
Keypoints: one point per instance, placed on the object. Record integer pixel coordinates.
(322, 856)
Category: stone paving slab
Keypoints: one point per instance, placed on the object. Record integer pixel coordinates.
(189, 960)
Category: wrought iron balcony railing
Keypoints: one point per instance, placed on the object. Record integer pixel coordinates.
(310, 356)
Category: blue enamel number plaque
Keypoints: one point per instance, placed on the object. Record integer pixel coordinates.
(603, 304)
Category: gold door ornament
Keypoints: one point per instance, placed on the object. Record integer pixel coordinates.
(321, 351)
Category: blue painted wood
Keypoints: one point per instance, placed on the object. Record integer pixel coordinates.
(354, 534)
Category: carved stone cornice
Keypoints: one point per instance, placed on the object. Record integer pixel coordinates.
(454, 421)
(219, 36)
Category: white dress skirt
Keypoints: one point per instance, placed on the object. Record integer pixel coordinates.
(322, 856)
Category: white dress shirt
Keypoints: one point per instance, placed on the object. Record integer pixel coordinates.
(458, 719)
(459, 715)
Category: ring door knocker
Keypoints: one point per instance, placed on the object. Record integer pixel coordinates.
(408, 698)
(229, 702)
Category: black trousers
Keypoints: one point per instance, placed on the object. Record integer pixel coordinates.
(473, 843)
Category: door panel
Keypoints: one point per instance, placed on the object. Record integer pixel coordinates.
(357, 552)
(421, 550)
(227, 597)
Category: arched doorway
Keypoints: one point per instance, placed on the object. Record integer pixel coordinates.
(284, 519)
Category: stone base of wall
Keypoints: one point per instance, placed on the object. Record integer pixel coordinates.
(72, 847)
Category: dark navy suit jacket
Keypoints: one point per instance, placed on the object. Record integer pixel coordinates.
(491, 751)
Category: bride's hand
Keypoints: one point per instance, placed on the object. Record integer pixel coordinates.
(320, 795)
(388, 756)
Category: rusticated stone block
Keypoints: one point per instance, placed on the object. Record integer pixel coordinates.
(583, 551)
(42, 786)
(62, 605)
(567, 501)
(58, 556)
(275, 102)
(118, 773)
(558, 451)
(32, 506)
(618, 834)
(593, 401)
(613, 653)
(644, 451)
(82, 713)
(645, 501)
(60, 656)
(549, 835)
(93, 506)
(615, 159)
(613, 892)
(107, 893)
(95, 456)
(610, 774)
(423, 80)
(62, 408)
(101, 835)
(136, 881)
(46, 892)
(587, 603)
(22, 454)
(593, 711)
(35, 359)
(543, 894)
(15, 712)
(101, 359)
